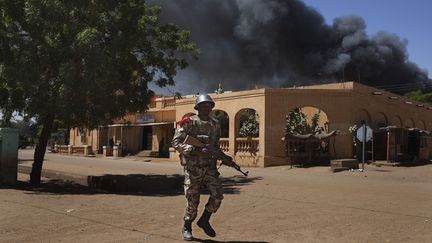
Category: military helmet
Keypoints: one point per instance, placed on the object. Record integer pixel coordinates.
(203, 98)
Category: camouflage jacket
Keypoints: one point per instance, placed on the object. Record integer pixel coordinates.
(207, 132)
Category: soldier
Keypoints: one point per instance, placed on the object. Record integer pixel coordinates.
(199, 167)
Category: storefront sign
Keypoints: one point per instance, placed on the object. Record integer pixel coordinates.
(145, 118)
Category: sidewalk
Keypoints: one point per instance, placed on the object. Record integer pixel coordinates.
(108, 173)
(120, 175)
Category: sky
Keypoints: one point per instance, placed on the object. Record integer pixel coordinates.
(409, 19)
(284, 43)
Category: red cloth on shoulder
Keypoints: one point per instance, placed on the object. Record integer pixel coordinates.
(183, 121)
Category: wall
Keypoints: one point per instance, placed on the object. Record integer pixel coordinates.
(279, 102)
(344, 104)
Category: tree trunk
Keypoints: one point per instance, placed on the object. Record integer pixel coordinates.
(35, 175)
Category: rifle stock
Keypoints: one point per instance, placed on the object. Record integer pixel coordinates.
(193, 141)
(216, 153)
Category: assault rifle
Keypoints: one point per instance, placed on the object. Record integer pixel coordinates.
(215, 152)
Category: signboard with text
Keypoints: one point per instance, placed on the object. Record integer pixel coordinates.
(145, 118)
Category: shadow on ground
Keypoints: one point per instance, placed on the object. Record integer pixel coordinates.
(231, 184)
(138, 184)
(132, 184)
(413, 163)
(23, 161)
(53, 186)
(216, 241)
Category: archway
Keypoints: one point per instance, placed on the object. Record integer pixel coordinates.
(421, 125)
(246, 132)
(396, 121)
(429, 126)
(362, 115)
(307, 119)
(409, 123)
(223, 119)
(247, 123)
(380, 120)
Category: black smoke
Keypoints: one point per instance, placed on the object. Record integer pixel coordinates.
(284, 43)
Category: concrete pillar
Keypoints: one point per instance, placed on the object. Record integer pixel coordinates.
(87, 150)
(8, 155)
(231, 139)
(107, 151)
(172, 154)
(117, 151)
(70, 149)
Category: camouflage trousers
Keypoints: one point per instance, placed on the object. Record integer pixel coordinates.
(195, 178)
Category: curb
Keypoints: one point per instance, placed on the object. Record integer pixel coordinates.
(59, 175)
(132, 183)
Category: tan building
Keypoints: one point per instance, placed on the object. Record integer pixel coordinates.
(341, 104)
(135, 132)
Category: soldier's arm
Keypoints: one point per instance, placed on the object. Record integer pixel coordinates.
(227, 160)
(178, 139)
(217, 134)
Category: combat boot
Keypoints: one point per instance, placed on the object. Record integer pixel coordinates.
(187, 230)
(204, 224)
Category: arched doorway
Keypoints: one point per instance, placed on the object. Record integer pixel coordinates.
(421, 125)
(223, 120)
(247, 123)
(362, 115)
(396, 121)
(380, 120)
(409, 123)
(246, 132)
(307, 119)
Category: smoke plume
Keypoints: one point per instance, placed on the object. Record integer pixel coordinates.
(284, 43)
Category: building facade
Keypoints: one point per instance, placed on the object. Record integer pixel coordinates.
(341, 105)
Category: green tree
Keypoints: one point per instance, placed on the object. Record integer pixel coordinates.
(314, 127)
(420, 96)
(82, 62)
(296, 122)
(250, 125)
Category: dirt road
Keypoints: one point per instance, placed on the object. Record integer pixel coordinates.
(277, 204)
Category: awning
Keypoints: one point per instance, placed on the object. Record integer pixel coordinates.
(317, 136)
(140, 124)
(154, 124)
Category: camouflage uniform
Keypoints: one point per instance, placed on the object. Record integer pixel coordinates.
(199, 171)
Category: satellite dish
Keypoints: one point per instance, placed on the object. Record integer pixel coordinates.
(360, 133)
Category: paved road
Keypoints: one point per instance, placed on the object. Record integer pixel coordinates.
(277, 204)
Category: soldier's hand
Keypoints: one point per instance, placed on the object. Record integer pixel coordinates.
(209, 147)
(205, 150)
(202, 152)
